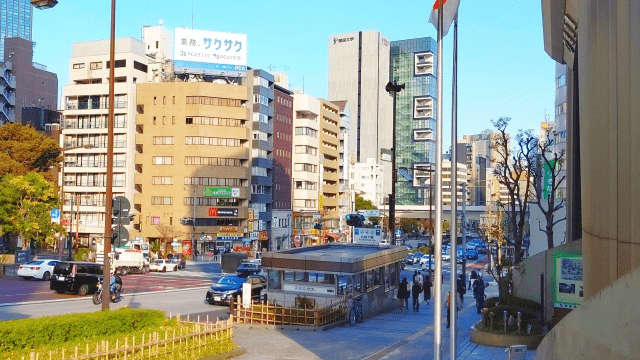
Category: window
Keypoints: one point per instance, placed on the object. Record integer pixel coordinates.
(422, 135)
(78, 66)
(163, 160)
(215, 101)
(119, 63)
(260, 99)
(164, 120)
(138, 66)
(423, 63)
(95, 65)
(173, 120)
(154, 100)
(561, 109)
(163, 140)
(162, 180)
(305, 149)
(161, 200)
(306, 131)
(211, 181)
(154, 120)
(423, 107)
(306, 167)
(214, 121)
(212, 141)
(164, 100)
(173, 101)
(561, 81)
(212, 161)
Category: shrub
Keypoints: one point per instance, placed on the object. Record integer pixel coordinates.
(55, 330)
(81, 254)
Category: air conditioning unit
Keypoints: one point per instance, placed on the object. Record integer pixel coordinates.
(69, 178)
(69, 159)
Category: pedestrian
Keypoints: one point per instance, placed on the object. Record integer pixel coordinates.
(461, 287)
(416, 289)
(426, 287)
(478, 294)
(449, 308)
(419, 278)
(472, 276)
(403, 294)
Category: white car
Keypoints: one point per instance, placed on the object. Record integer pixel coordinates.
(446, 257)
(163, 265)
(39, 269)
(425, 259)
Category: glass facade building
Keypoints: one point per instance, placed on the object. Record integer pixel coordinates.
(15, 21)
(413, 63)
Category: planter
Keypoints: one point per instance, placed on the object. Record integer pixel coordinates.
(503, 340)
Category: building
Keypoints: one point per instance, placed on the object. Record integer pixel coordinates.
(260, 87)
(330, 169)
(462, 178)
(282, 154)
(16, 21)
(367, 181)
(306, 170)
(358, 73)
(346, 160)
(192, 162)
(412, 64)
(84, 134)
(560, 126)
(480, 155)
(26, 84)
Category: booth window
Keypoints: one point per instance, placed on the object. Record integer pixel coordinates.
(393, 274)
(274, 280)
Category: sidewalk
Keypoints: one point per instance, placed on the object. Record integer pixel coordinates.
(392, 335)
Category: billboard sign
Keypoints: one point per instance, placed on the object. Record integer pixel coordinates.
(547, 185)
(568, 291)
(367, 236)
(215, 212)
(221, 191)
(369, 213)
(210, 52)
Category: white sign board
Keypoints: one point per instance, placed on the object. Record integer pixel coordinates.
(210, 51)
(310, 289)
(369, 213)
(367, 236)
(246, 295)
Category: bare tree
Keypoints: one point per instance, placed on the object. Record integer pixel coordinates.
(512, 169)
(549, 159)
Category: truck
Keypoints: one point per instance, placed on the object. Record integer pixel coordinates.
(129, 261)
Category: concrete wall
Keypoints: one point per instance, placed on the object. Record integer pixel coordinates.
(537, 221)
(527, 284)
(606, 326)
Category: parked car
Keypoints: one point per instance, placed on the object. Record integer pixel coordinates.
(78, 277)
(446, 257)
(472, 254)
(163, 265)
(178, 259)
(249, 267)
(40, 269)
(422, 244)
(409, 258)
(230, 286)
(425, 259)
(482, 249)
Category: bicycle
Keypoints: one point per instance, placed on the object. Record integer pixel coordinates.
(356, 310)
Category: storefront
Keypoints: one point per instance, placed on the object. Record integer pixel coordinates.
(324, 274)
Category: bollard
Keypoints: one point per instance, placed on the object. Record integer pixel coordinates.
(519, 320)
(505, 315)
(529, 329)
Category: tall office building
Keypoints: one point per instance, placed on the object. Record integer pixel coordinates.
(282, 155)
(560, 126)
(358, 73)
(329, 136)
(260, 87)
(412, 64)
(84, 134)
(16, 20)
(192, 163)
(481, 156)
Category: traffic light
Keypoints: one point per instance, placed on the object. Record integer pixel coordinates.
(355, 220)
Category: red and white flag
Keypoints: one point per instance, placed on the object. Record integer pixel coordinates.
(450, 10)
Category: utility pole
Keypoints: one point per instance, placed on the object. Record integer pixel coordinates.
(462, 230)
(393, 87)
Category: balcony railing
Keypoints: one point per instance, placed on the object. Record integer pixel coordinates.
(95, 105)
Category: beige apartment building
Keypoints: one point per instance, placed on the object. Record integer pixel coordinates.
(192, 161)
(330, 165)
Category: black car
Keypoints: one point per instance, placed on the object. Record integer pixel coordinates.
(249, 268)
(78, 277)
(177, 259)
(230, 286)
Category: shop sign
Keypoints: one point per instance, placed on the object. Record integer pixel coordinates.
(253, 235)
(186, 248)
(309, 289)
(155, 220)
(297, 240)
(228, 229)
(221, 191)
(215, 212)
(230, 235)
(250, 214)
(263, 236)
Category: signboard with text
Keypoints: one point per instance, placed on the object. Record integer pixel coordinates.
(221, 191)
(367, 236)
(568, 291)
(210, 52)
(215, 212)
(369, 213)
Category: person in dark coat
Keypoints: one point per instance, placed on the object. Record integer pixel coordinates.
(416, 289)
(403, 294)
(426, 287)
(478, 294)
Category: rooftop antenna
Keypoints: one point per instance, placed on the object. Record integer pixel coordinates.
(271, 68)
(285, 67)
(191, 14)
(303, 84)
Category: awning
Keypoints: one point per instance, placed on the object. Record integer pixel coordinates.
(332, 235)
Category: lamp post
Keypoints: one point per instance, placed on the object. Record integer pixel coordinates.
(393, 88)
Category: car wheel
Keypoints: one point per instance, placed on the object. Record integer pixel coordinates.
(164, 269)
(175, 268)
(46, 276)
(84, 290)
(60, 291)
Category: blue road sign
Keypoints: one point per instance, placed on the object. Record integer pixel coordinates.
(55, 214)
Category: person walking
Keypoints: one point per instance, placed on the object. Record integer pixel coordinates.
(458, 306)
(426, 287)
(461, 287)
(403, 294)
(478, 294)
(416, 289)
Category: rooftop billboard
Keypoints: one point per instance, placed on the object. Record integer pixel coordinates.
(210, 52)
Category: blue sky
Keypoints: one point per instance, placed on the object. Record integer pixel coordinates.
(503, 69)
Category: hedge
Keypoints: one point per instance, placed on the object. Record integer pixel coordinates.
(82, 254)
(57, 330)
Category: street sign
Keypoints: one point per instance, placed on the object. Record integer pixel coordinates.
(55, 214)
(370, 213)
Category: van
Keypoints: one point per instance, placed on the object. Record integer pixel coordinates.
(73, 276)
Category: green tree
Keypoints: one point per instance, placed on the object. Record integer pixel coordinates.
(24, 150)
(25, 203)
(409, 225)
(363, 204)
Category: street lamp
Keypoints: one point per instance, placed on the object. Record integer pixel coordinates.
(393, 88)
(44, 4)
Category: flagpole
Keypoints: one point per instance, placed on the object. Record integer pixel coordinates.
(454, 194)
(437, 326)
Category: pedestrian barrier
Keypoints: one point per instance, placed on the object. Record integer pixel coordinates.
(190, 342)
(274, 314)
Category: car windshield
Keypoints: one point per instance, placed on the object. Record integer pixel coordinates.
(34, 263)
(62, 268)
(159, 262)
(231, 280)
